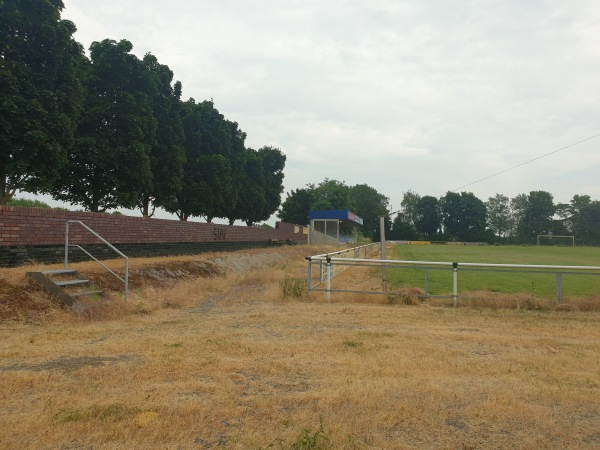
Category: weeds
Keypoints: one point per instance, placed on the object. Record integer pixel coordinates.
(293, 287)
(306, 440)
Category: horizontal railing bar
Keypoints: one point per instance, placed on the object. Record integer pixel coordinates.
(325, 255)
(395, 262)
(349, 291)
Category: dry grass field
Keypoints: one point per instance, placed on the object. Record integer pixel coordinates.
(209, 354)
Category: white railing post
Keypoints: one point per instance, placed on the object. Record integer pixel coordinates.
(455, 284)
(328, 276)
(383, 268)
(67, 246)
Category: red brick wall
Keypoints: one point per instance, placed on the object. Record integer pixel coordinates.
(36, 226)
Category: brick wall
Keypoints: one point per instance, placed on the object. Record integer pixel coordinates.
(27, 231)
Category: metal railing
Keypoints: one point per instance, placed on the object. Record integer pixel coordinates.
(112, 247)
(330, 262)
(328, 270)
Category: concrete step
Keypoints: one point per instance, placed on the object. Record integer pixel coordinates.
(71, 282)
(59, 272)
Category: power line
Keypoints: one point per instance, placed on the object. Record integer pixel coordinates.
(526, 162)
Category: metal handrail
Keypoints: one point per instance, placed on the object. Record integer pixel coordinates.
(112, 247)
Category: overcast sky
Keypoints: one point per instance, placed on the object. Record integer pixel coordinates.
(422, 95)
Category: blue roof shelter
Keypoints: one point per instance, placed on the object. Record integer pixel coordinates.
(333, 226)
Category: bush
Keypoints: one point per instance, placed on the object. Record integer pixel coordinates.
(293, 287)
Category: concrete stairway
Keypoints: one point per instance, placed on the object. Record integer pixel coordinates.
(66, 284)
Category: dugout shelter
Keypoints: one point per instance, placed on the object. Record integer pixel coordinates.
(333, 227)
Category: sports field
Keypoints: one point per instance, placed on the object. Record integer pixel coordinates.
(523, 281)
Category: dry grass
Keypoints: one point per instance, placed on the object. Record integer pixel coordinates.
(225, 361)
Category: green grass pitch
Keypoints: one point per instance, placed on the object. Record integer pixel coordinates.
(543, 285)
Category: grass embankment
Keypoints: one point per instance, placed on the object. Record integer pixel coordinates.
(538, 284)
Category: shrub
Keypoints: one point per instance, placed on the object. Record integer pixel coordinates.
(293, 287)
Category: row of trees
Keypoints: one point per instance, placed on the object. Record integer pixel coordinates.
(464, 217)
(454, 216)
(111, 130)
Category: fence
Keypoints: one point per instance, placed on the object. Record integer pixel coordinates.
(330, 265)
(327, 270)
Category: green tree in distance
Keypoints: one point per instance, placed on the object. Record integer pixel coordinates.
(273, 163)
(330, 195)
(296, 207)
(368, 204)
(538, 215)
(429, 220)
(499, 215)
(464, 217)
(410, 207)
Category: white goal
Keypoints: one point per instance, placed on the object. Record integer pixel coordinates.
(552, 239)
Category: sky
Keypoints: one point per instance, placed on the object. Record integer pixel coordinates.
(421, 95)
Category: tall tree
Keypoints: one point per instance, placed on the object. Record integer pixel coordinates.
(237, 160)
(207, 185)
(273, 162)
(110, 165)
(167, 155)
(251, 199)
(464, 217)
(499, 215)
(297, 206)
(368, 204)
(403, 230)
(538, 215)
(40, 94)
(518, 207)
(578, 216)
(410, 207)
(330, 195)
(429, 220)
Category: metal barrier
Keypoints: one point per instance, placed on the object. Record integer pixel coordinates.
(327, 270)
(330, 262)
(67, 245)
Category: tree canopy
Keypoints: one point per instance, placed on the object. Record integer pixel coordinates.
(40, 94)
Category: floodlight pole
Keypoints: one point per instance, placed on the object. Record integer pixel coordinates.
(383, 258)
(383, 271)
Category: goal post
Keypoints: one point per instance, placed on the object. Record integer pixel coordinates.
(552, 239)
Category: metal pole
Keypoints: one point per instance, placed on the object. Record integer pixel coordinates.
(455, 283)
(383, 271)
(67, 246)
(126, 278)
(328, 269)
(426, 282)
(309, 281)
(559, 287)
